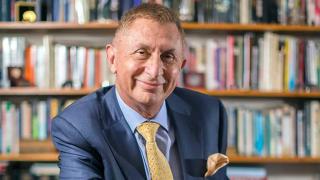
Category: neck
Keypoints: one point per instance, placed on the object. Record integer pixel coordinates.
(147, 111)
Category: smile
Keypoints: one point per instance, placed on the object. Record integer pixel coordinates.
(149, 85)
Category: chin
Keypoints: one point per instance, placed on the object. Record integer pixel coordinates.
(150, 99)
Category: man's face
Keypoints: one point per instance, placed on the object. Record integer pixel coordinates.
(147, 58)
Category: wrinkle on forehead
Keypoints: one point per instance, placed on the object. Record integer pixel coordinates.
(145, 32)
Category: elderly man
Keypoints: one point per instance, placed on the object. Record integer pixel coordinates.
(144, 127)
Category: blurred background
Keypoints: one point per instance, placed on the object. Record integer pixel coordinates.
(261, 57)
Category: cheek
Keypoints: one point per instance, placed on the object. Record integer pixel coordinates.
(172, 74)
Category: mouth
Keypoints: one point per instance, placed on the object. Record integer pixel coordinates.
(149, 85)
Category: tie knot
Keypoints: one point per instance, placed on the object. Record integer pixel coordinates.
(148, 131)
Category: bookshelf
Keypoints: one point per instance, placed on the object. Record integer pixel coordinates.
(74, 34)
(70, 28)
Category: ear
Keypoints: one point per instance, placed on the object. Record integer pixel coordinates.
(110, 50)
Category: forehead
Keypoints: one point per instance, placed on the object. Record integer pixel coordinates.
(148, 29)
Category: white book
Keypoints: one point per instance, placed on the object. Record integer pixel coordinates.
(210, 72)
(247, 61)
(16, 114)
(264, 65)
(275, 69)
(5, 61)
(278, 135)
(82, 11)
(42, 115)
(288, 132)
(91, 67)
(244, 13)
(45, 169)
(300, 134)
(74, 68)
(249, 132)
(41, 73)
(25, 120)
(246, 172)
(81, 60)
(107, 77)
(315, 128)
(8, 130)
(311, 63)
(280, 68)
(4, 128)
(48, 58)
(283, 12)
(60, 57)
(186, 10)
(240, 132)
(273, 138)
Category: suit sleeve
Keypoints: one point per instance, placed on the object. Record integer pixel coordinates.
(76, 160)
(223, 139)
(222, 142)
(223, 129)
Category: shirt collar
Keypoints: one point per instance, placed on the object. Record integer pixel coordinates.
(134, 119)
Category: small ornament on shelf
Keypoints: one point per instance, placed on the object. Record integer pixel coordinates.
(15, 75)
(25, 11)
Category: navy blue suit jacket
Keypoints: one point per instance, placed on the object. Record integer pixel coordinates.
(95, 141)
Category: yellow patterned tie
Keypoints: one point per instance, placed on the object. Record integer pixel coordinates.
(158, 164)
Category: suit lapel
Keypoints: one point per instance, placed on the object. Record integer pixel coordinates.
(125, 149)
(188, 140)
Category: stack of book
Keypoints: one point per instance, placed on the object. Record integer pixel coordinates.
(283, 131)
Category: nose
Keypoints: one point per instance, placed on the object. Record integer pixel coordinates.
(154, 67)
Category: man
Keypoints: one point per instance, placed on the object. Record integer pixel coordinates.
(101, 135)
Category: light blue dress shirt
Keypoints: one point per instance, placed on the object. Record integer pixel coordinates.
(165, 136)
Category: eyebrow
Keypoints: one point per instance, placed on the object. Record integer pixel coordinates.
(169, 50)
(143, 45)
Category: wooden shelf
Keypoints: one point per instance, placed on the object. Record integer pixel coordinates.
(57, 26)
(30, 157)
(32, 151)
(260, 94)
(44, 92)
(274, 160)
(251, 27)
(53, 157)
(111, 25)
(217, 93)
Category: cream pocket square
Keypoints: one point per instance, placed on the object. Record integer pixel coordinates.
(215, 162)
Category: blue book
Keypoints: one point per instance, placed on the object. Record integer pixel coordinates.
(268, 134)
(55, 10)
(5, 10)
(125, 5)
(136, 3)
(66, 10)
(259, 133)
(292, 68)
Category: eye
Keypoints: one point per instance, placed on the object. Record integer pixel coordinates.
(168, 58)
(141, 53)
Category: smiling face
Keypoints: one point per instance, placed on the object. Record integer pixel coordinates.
(147, 58)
